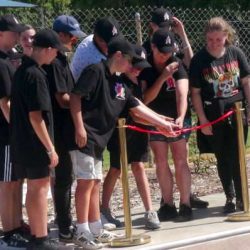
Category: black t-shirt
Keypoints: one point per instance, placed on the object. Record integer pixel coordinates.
(7, 71)
(61, 81)
(104, 97)
(165, 102)
(29, 93)
(218, 77)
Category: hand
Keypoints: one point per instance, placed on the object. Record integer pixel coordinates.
(178, 27)
(81, 137)
(179, 121)
(53, 158)
(169, 129)
(169, 70)
(206, 130)
(166, 118)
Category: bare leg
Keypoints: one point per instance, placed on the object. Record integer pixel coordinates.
(108, 186)
(36, 203)
(182, 173)
(163, 172)
(94, 212)
(142, 184)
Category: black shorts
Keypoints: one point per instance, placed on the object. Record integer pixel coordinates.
(31, 171)
(7, 172)
(137, 150)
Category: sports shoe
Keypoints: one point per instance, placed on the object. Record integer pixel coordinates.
(151, 220)
(48, 244)
(167, 212)
(229, 206)
(87, 241)
(239, 205)
(107, 225)
(185, 213)
(110, 217)
(106, 236)
(14, 242)
(196, 202)
(65, 237)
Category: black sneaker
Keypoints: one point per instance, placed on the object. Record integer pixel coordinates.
(196, 202)
(167, 212)
(229, 207)
(66, 237)
(185, 213)
(48, 244)
(15, 241)
(239, 205)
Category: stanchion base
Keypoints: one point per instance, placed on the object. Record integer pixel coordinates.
(135, 240)
(242, 216)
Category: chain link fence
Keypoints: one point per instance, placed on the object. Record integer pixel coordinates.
(193, 19)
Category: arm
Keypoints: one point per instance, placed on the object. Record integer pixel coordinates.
(151, 93)
(197, 102)
(41, 131)
(76, 113)
(246, 87)
(187, 49)
(62, 99)
(5, 107)
(181, 100)
(154, 119)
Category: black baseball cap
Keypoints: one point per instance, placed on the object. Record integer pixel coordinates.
(120, 43)
(162, 17)
(164, 40)
(141, 61)
(68, 24)
(9, 23)
(47, 38)
(107, 28)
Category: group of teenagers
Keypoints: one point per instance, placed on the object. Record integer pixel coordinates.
(59, 113)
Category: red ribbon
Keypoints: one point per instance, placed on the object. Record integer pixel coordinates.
(184, 130)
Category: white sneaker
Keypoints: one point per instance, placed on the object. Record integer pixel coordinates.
(106, 236)
(107, 225)
(151, 220)
(87, 241)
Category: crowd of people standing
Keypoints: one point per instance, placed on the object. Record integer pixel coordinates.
(57, 116)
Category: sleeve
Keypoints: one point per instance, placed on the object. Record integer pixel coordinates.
(131, 100)
(59, 79)
(38, 98)
(194, 73)
(87, 82)
(243, 63)
(5, 81)
(181, 73)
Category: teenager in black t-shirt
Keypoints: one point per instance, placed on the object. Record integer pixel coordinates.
(32, 132)
(220, 76)
(11, 202)
(166, 85)
(96, 102)
(61, 83)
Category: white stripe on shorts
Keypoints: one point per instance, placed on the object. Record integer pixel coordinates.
(7, 164)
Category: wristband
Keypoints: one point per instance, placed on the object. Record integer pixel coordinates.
(186, 47)
(51, 151)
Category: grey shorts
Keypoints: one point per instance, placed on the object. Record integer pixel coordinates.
(85, 166)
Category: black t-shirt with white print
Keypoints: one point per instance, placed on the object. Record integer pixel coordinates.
(104, 97)
(165, 102)
(60, 82)
(7, 71)
(29, 93)
(218, 77)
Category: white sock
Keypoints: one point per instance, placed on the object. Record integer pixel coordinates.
(82, 227)
(96, 227)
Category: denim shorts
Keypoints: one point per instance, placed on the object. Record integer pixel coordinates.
(159, 137)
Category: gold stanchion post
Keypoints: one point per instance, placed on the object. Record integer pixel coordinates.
(129, 240)
(242, 216)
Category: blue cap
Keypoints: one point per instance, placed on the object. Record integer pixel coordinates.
(68, 24)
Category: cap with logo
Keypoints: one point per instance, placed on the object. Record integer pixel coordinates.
(9, 23)
(141, 61)
(68, 24)
(164, 41)
(162, 17)
(107, 28)
(47, 38)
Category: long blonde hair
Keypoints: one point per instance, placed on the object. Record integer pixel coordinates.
(220, 24)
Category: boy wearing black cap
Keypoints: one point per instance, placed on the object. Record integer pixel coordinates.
(96, 102)
(10, 205)
(61, 83)
(32, 145)
(94, 47)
